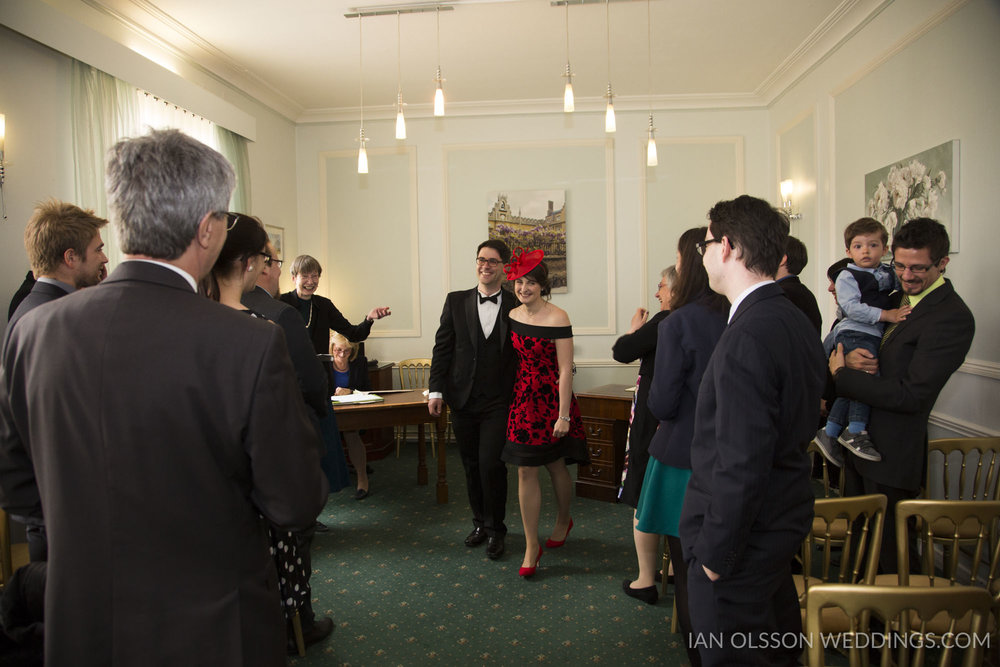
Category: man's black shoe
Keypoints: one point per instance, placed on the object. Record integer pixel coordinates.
(316, 632)
(494, 547)
(321, 527)
(476, 537)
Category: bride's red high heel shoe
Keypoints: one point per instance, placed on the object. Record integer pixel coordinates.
(528, 571)
(553, 544)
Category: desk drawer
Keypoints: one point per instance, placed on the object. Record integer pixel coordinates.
(598, 471)
(603, 452)
(599, 430)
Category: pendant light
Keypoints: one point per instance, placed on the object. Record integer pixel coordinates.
(651, 159)
(400, 121)
(362, 153)
(439, 92)
(568, 103)
(609, 113)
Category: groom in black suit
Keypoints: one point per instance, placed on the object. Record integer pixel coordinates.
(473, 371)
(749, 503)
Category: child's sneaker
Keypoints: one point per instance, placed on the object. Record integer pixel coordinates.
(829, 448)
(860, 445)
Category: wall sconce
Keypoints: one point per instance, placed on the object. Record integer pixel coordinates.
(3, 134)
(787, 188)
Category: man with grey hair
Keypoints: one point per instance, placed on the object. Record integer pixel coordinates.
(164, 431)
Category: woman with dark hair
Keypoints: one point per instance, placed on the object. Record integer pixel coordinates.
(235, 271)
(320, 315)
(640, 343)
(685, 342)
(544, 427)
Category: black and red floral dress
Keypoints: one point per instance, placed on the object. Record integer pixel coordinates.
(534, 406)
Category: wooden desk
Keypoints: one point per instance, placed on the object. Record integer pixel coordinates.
(605, 411)
(408, 407)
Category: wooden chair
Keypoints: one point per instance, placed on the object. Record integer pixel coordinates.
(828, 490)
(854, 526)
(414, 374)
(978, 469)
(904, 609)
(12, 556)
(942, 528)
(674, 623)
(970, 469)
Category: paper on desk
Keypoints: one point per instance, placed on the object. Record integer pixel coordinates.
(357, 397)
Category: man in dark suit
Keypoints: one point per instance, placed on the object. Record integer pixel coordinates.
(795, 259)
(65, 248)
(749, 503)
(161, 426)
(313, 385)
(22, 291)
(263, 298)
(473, 371)
(66, 252)
(916, 358)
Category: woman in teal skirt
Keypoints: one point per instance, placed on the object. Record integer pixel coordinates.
(685, 342)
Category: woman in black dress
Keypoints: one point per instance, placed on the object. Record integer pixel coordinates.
(320, 315)
(640, 343)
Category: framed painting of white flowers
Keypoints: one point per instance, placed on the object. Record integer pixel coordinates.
(924, 185)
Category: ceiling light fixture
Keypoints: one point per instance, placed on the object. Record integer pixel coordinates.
(651, 158)
(362, 152)
(568, 104)
(439, 92)
(400, 121)
(609, 113)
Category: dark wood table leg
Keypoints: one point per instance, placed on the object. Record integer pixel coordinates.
(421, 457)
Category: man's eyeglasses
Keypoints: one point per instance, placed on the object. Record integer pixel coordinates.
(915, 269)
(701, 245)
(233, 218)
(483, 261)
(271, 261)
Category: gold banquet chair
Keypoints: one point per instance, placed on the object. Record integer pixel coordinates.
(415, 374)
(942, 528)
(906, 610)
(970, 470)
(854, 526)
(12, 556)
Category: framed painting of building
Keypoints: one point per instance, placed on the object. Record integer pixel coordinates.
(532, 219)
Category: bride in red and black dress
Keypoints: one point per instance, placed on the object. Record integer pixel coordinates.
(544, 426)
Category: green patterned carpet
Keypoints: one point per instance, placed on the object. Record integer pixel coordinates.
(402, 588)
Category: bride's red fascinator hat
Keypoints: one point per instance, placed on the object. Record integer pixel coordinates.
(522, 262)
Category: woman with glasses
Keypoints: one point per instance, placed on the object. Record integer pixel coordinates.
(684, 344)
(640, 343)
(235, 272)
(319, 313)
(349, 372)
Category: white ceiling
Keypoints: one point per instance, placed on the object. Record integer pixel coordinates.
(300, 57)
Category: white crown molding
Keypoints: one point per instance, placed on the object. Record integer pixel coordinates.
(220, 67)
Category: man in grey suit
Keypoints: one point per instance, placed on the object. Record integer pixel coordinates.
(749, 503)
(160, 427)
(66, 251)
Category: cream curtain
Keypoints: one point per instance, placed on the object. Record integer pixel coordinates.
(106, 110)
(103, 112)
